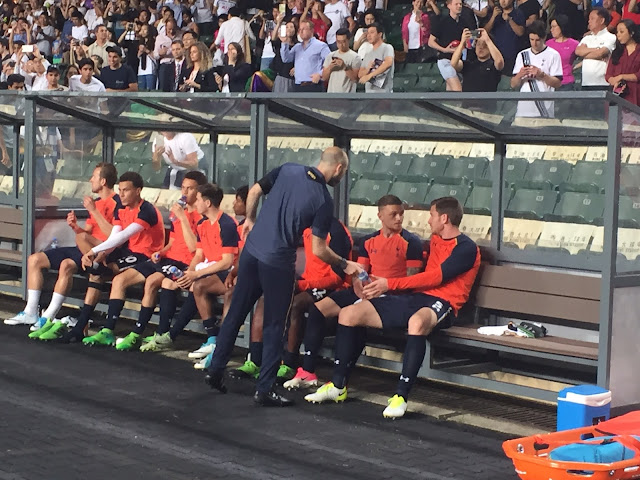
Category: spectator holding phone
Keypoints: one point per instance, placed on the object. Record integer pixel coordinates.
(416, 28)
(507, 25)
(341, 68)
(79, 30)
(623, 71)
(480, 73)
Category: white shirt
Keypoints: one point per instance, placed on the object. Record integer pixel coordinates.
(40, 82)
(223, 6)
(549, 61)
(79, 33)
(593, 70)
(95, 85)
(338, 14)
(93, 20)
(181, 145)
(233, 30)
(203, 12)
(379, 5)
(414, 33)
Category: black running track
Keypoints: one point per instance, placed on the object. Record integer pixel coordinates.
(76, 412)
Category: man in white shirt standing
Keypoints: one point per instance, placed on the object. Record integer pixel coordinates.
(85, 82)
(233, 30)
(180, 151)
(340, 17)
(162, 52)
(595, 49)
(341, 67)
(537, 69)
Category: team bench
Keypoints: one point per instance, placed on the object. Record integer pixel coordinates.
(11, 233)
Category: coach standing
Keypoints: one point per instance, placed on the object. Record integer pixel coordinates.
(298, 198)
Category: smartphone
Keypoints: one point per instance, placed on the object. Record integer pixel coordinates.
(283, 30)
(282, 8)
(27, 49)
(475, 34)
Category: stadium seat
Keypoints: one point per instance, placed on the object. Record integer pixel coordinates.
(230, 177)
(431, 83)
(463, 170)
(392, 165)
(479, 200)
(578, 207)
(505, 84)
(133, 150)
(461, 192)
(362, 162)
(151, 177)
(306, 157)
(586, 177)
(531, 204)
(419, 69)
(430, 166)
(545, 174)
(629, 179)
(368, 191)
(404, 83)
(279, 156)
(234, 155)
(628, 212)
(413, 194)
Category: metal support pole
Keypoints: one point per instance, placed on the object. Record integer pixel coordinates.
(29, 205)
(497, 203)
(16, 164)
(258, 152)
(341, 191)
(212, 164)
(108, 144)
(610, 246)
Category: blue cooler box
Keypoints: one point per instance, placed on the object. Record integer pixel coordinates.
(583, 406)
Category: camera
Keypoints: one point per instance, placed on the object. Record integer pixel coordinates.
(475, 34)
(270, 25)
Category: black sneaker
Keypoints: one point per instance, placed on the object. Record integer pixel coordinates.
(70, 337)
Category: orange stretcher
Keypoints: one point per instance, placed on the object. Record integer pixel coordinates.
(530, 455)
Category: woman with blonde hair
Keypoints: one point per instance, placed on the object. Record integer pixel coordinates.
(199, 74)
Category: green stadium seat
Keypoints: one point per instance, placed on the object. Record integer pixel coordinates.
(630, 179)
(628, 212)
(306, 157)
(586, 177)
(230, 177)
(392, 165)
(233, 154)
(420, 69)
(430, 166)
(514, 171)
(367, 191)
(532, 204)
(505, 84)
(479, 201)
(362, 162)
(463, 170)
(461, 192)
(413, 194)
(133, 150)
(578, 207)
(545, 174)
(151, 177)
(404, 83)
(431, 83)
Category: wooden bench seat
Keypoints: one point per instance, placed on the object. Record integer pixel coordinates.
(11, 229)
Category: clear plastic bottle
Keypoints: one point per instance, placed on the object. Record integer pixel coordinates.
(183, 203)
(364, 278)
(175, 272)
(54, 244)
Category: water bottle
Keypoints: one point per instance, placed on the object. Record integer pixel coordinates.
(175, 272)
(364, 278)
(53, 245)
(183, 203)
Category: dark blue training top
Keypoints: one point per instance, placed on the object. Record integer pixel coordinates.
(297, 198)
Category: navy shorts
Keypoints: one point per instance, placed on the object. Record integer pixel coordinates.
(57, 255)
(396, 310)
(149, 268)
(344, 298)
(319, 293)
(221, 275)
(123, 258)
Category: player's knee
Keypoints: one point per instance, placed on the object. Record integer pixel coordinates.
(199, 288)
(68, 267)
(349, 317)
(37, 261)
(422, 324)
(327, 307)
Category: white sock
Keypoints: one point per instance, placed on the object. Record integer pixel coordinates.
(54, 306)
(33, 298)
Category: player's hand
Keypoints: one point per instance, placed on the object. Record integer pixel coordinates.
(169, 153)
(376, 288)
(357, 287)
(72, 220)
(88, 259)
(155, 257)
(178, 211)
(316, 77)
(247, 226)
(89, 204)
(352, 268)
(6, 159)
(231, 279)
(466, 35)
(187, 279)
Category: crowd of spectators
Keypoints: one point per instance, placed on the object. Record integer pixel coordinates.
(314, 46)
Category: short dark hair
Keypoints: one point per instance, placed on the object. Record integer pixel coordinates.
(109, 173)
(86, 61)
(378, 26)
(604, 14)
(388, 200)
(199, 177)
(243, 193)
(563, 23)
(179, 42)
(344, 31)
(211, 192)
(449, 206)
(132, 177)
(14, 78)
(538, 28)
(192, 33)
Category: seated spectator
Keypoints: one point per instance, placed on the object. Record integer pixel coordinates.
(180, 152)
(437, 294)
(480, 73)
(507, 26)
(537, 69)
(376, 72)
(623, 71)
(342, 67)
(199, 76)
(85, 81)
(566, 47)
(360, 43)
(307, 57)
(595, 48)
(235, 73)
(116, 76)
(416, 28)
(284, 81)
(445, 37)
